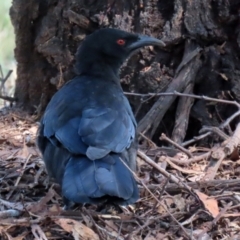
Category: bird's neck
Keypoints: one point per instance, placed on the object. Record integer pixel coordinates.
(109, 70)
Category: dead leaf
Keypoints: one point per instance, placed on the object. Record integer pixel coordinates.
(201, 235)
(78, 230)
(150, 238)
(180, 202)
(161, 209)
(209, 203)
(196, 178)
(166, 204)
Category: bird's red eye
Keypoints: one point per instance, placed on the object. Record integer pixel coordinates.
(121, 42)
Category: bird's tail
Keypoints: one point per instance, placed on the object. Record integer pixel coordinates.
(96, 181)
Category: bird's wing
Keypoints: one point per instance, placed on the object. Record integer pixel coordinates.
(106, 130)
(86, 124)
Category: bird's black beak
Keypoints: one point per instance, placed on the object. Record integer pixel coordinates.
(145, 41)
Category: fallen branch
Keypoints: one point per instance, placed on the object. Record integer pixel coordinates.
(180, 169)
(215, 162)
(195, 139)
(215, 130)
(233, 142)
(182, 116)
(151, 120)
(194, 159)
(178, 94)
(165, 138)
(20, 176)
(212, 184)
(166, 174)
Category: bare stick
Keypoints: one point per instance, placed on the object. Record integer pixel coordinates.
(233, 142)
(180, 169)
(230, 119)
(20, 176)
(165, 173)
(216, 130)
(94, 223)
(176, 93)
(195, 139)
(23, 169)
(188, 57)
(37, 176)
(182, 116)
(194, 159)
(216, 184)
(165, 138)
(148, 140)
(220, 153)
(215, 162)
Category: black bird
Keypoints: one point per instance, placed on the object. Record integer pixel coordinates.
(87, 135)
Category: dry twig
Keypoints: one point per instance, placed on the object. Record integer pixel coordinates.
(166, 174)
(233, 142)
(165, 138)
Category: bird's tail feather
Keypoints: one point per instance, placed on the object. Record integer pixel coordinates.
(95, 181)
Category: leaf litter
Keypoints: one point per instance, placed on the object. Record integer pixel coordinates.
(191, 195)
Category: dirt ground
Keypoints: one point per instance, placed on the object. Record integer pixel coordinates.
(188, 193)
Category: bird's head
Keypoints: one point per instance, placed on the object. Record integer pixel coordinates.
(111, 47)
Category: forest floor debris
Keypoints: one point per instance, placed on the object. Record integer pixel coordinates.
(188, 193)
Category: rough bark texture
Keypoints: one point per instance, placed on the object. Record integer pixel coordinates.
(203, 50)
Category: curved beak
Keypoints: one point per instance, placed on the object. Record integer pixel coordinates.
(145, 41)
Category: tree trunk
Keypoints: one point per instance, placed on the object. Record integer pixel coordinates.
(201, 56)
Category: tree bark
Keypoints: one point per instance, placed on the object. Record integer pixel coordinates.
(48, 33)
